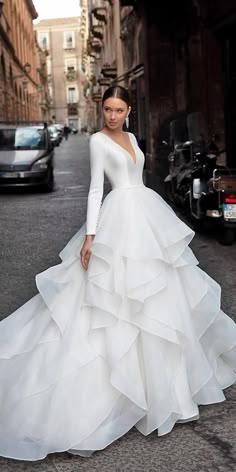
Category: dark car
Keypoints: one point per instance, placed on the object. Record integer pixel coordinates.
(26, 156)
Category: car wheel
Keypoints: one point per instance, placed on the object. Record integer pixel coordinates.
(49, 186)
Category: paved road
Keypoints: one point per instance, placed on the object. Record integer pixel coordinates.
(34, 228)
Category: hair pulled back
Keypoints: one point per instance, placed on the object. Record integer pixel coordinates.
(117, 91)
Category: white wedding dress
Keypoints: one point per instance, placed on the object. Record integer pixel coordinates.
(139, 339)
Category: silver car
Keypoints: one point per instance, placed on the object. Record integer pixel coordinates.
(54, 135)
(26, 156)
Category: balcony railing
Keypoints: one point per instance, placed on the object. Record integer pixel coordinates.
(96, 94)
(97, 31)
(104, 81)
(69, 45)
(71, 75)
(109, 71)
(72, 108)
(96, 44)
(100, 13)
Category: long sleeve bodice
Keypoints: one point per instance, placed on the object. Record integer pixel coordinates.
(108, 157)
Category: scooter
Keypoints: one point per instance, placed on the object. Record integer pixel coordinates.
(212, 194)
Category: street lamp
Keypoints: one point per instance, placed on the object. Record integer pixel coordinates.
(1, 6)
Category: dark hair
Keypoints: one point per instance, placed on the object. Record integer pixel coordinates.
(118, 92)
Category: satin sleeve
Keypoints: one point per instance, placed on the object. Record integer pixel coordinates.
(96, 184)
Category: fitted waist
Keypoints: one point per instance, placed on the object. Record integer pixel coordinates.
(128, 186)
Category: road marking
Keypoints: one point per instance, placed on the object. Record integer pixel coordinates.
(75, 186)
(62, 172)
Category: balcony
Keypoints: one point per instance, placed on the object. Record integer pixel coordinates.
(104, 81)
(109, 71)
(95, 55)
(97, 31)
(96, 94)
(94, 47)
(100, 14)
(72, 108)
(96, 44)
(71, 75)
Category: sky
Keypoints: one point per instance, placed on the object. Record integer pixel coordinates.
(56, 8)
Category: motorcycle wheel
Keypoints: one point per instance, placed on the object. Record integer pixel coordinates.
(227, 236)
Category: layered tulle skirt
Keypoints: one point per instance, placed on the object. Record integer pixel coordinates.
(137, 340)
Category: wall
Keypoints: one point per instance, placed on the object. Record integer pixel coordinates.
(16, 49)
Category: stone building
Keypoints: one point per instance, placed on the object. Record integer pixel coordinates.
(61, 39)
(104, 48)
(42, 80)
(187, 49)
(18, 76)
(178, 61)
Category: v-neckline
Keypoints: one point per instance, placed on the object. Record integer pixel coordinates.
(134, 160)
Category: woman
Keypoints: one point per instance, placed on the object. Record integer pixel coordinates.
(130, 335)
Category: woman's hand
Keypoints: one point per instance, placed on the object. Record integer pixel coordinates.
(85, 252)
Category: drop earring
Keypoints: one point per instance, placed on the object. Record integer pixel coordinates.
(127, 121)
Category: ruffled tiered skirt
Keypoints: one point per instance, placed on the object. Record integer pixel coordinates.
(137, 340)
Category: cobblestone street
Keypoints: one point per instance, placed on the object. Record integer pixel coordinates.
(35, 226)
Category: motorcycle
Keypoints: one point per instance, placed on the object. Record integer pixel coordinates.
(197, 184)
(212, 195)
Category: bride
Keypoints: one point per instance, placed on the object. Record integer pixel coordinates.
(126, 331)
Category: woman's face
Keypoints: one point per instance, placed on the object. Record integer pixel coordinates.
(115, 111)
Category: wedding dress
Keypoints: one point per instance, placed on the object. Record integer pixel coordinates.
(139, 339)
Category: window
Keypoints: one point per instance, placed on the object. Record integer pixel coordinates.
(22, 138)
(69, 42)
(43, 40)
(72, 95)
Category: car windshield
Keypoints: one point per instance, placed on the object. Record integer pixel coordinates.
(22, 138)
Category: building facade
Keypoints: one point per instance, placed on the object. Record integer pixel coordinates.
(87, 68)
(18, 75)
(65, 72)
(178, 61)
(104, 48)
(42, 80)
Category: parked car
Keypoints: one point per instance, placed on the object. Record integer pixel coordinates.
(60, 129)
(54, 135)
(74, 130)
(26, 156)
